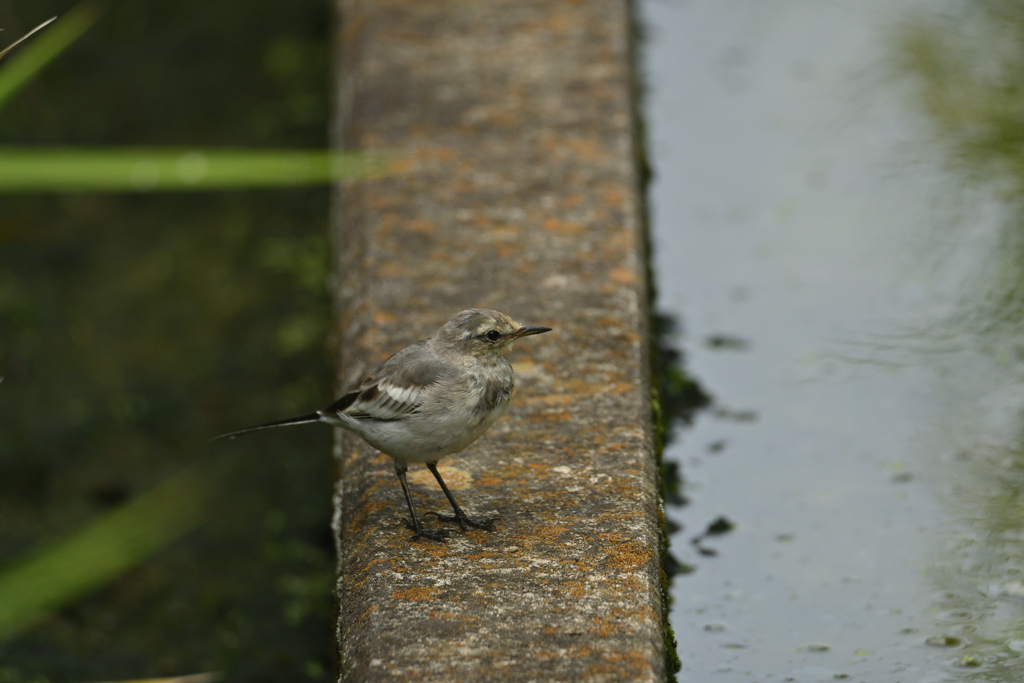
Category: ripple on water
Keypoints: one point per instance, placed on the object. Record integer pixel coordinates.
(1006, 590)
(946, 641)
(972, 662)
(955, 615)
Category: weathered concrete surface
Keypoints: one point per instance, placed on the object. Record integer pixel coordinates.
(521, 194)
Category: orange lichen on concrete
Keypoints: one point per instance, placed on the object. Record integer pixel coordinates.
(623, 276)
(588, 150)
(551, 416)
(550, 400)
(573, 200)
(520, 194)
(384, 317)
(371, 609)
(558, 225)
(444, 153)
(418, 593)
(614, 196)
(457, 479)
(421, 225)
(370, 507)
(442, 615)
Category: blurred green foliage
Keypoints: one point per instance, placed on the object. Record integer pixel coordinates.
(25, 37)
(15, 73)
(114, 543)
(134, 327)
(140, 169)
(968, 69)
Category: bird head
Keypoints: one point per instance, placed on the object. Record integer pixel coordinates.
(483, 333)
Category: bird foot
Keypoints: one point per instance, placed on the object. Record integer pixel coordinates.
(465, 522)
(439, 535)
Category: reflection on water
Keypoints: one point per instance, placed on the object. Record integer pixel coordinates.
(979, 569)
(968, 67)
(134, 328)
(838, 215)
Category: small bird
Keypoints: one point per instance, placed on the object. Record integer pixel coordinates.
(431, 399)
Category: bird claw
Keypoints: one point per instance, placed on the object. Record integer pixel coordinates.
(439, 535)
(464, 521)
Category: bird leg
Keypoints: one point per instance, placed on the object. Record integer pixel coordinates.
(440, 534)
(459, 516)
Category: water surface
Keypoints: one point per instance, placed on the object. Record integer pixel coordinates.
(833, 264)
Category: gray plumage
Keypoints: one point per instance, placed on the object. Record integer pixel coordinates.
(431, 399)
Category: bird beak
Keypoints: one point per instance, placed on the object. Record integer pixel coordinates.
(527, 330)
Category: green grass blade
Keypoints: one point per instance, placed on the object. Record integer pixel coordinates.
(208, 677)
(117, 541)
(17, 70)
(24, 170)
(28, 35)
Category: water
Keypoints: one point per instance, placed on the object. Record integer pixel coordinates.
(832, 267)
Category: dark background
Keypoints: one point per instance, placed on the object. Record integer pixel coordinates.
(135, 327)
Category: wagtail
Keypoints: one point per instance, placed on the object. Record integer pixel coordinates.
(431, 399)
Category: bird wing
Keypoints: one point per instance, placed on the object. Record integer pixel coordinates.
(397, 388)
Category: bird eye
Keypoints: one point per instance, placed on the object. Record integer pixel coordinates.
(493, 335)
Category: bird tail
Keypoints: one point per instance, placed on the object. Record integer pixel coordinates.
(301, 419)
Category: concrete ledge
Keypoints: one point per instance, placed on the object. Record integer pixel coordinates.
(521, 194)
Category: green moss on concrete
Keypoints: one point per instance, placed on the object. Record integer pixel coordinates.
(675, 395)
